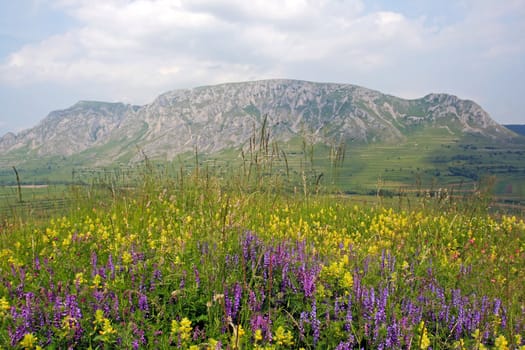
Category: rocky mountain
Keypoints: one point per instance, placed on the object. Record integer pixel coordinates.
(214, 118)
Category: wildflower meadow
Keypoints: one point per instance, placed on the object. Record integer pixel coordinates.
(190, 264)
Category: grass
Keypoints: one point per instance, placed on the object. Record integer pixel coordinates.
(428, 158)
(241, 260)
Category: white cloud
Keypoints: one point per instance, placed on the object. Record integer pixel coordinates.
(127, 42)
(133, 49)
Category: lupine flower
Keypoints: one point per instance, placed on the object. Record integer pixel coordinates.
(308, 277)
(392, 335)
(380, 315)
(197, 276)
(37, 263)
(94, 259)
(348, 318)
(344, 346)
(111, 267)
(143, 303)
(263, 325)
(227, 305)
(182, 283)
(252, 302)
(316, 324)
(303, 319)
(237, 299)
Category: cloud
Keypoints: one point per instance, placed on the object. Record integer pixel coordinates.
(134, 49)
(134, 43)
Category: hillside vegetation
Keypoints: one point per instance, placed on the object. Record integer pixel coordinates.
(355, 137)
(200, 261)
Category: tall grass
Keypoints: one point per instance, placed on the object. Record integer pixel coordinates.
(190, 260)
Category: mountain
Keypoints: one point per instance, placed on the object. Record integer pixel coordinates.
(215, 118)
(517, 128)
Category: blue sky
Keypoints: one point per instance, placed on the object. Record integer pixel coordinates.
(56, 52)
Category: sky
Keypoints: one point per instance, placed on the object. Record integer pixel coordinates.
(54, 53)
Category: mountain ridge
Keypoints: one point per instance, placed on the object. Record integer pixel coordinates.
(217, 117)
(517, 128)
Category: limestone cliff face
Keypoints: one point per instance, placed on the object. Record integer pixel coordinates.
(212, 118)
(69, 131)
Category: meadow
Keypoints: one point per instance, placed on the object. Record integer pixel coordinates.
(198, 261)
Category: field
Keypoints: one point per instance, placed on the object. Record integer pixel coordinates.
(195, 260)
(427, 158)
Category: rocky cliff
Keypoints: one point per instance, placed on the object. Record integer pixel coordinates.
(212, 118)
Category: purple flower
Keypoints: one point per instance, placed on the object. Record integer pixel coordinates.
(302, 321)
(252, 302)
(197, 276)
(264, 324)
(157, 274)
(94, 260)
(393, 334)
(316, 324)
(182, 283)
(344, 346)
(37, 263)
(250, 245)
(116, 307)
(348, 319)
(143, 303)
(307, 277)
(497, 305)
(380, 316)
(337, 309)
(111, 267)
(237, 299)
(227, 305)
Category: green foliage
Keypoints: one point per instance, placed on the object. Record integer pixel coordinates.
(161, 259)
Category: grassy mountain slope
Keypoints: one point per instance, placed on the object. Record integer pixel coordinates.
(342, 137)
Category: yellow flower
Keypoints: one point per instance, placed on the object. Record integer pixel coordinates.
(107, 328)
(459, 345)
(283, 337)
(257, 336)
(96, 281)
(29, 341)
(212, 344)
(181, 329)
(238, 332)
(185, 329)
(126, 258)
(4, 305)
(501, 343)
(99, 317)
(517, 339)
(347, 280)
(68, 326)
(424, 341)
(79, 277)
